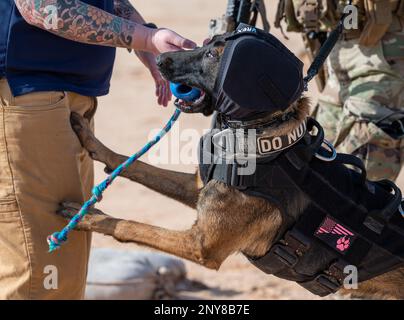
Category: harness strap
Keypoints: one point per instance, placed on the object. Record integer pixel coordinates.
(324, 51)
(259, 7)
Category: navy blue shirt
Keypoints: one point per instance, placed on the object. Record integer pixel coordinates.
(33, 59)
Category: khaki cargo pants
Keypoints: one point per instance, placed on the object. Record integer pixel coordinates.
(41, 164)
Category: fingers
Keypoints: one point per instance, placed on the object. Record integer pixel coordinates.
(181, 42)
(163, 93)
(158, 93)
(166, 40)
(162, 90)
(184, 43)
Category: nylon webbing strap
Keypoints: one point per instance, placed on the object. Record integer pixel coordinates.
(325, 51)
(323, 54)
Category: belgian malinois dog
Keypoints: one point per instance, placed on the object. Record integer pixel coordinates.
(228, 220)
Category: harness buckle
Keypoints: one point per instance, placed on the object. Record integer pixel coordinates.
(297, 241)
(296, 245)
(328, 147)
(286, 255)
(328, 283)
(336, 270)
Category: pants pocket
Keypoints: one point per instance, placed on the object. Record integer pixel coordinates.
(379, 151)
(37, 101)
(9, 208)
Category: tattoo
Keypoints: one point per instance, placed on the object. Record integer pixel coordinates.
(78, 21)
(124, 9)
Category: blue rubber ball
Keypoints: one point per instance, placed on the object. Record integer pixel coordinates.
(184, 92)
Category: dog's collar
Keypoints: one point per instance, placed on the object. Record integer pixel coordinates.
(261, 123)
(246, 141)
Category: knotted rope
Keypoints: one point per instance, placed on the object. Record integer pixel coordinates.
(58, 238)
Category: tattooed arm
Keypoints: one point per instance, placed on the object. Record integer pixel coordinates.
(78, 21)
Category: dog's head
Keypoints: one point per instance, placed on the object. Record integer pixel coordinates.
(196, 68)
(244, 75)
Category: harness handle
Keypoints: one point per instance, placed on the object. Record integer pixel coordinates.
(325, 51)
(353, 161)
(318, 138)
(378, 219)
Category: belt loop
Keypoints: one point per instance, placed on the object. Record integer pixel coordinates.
(4, 91)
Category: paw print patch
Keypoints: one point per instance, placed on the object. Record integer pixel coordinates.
(343, 244)
(335, 235)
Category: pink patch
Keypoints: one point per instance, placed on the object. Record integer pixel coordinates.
(335, 235)
(343, 244)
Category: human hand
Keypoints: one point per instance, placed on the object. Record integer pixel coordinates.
(165, 40)
(163, 92)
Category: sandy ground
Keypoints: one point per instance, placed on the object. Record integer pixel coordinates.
(124, 122)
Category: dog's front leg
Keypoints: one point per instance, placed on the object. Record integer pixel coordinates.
(182, 187)
(192, 244)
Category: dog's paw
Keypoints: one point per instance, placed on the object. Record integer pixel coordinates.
(82, 128)
(79, 123)
(68, 210)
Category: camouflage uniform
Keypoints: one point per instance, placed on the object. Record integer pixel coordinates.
(365, 86)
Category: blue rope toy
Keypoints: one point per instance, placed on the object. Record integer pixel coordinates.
(58, 238)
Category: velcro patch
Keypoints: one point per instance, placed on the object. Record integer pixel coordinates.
(337, 236)
(269, 145)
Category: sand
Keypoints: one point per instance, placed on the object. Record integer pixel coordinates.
(124, 121)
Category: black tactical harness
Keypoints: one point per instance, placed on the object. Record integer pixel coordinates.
(348, 221)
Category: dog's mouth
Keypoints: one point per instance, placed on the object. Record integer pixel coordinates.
(193, 106)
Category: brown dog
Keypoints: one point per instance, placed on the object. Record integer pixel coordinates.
(228, 220)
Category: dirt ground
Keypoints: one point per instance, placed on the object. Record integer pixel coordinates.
(124, 121)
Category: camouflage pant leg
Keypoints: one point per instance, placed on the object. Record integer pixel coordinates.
(328, 111)
(372, 82)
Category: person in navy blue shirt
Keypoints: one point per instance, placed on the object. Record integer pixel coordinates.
(56, 57)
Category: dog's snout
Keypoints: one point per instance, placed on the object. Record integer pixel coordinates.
(163, 61)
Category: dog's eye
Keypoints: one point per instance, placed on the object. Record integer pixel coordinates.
(211, 54)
